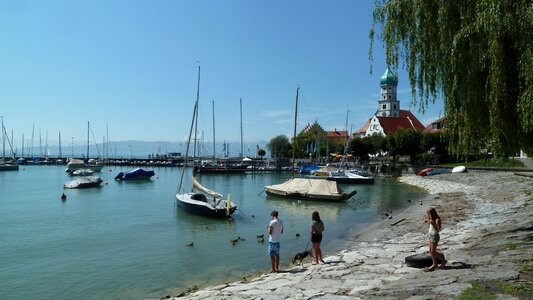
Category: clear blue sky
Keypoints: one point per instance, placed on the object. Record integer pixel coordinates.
(133, 65)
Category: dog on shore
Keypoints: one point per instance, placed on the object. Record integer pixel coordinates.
(299, 257)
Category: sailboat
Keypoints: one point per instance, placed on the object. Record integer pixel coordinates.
(223, 166)
(11, 165)
(307, 188)
(75, 164)
(198, 202)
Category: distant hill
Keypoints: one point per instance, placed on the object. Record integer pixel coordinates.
(140, 149)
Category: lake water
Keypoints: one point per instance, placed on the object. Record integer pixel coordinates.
(127, 240)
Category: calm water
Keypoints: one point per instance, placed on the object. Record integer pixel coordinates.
(127, 240)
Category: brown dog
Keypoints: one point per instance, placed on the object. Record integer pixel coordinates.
(298, 258)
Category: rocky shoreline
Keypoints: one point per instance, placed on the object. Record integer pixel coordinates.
(487, 234)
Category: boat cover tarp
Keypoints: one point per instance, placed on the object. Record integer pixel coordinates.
(198, 186)
(75, 162)
(136, 173)
(89, 181)
(304, 186)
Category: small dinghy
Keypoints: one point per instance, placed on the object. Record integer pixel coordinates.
(459, 169)
(84, 182)
(424, 172)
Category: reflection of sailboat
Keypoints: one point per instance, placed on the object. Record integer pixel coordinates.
(197, 202)
(11, 165)
(306, 188)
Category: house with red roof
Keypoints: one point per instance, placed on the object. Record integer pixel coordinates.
(334, 137)
(389, 118)
(436, 126)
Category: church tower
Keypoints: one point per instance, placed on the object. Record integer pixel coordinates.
(389, 106)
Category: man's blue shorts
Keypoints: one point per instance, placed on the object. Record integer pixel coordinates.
(273, 249)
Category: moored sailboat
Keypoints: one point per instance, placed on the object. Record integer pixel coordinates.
(11, 165)
(197, 202)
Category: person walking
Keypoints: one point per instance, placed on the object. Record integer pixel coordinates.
(435, 226)
(275, 230)
(317, 227)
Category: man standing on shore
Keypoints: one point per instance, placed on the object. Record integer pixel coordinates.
(275, 229)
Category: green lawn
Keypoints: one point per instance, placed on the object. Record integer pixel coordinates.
(490, 163)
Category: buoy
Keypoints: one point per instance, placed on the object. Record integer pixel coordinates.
(63, 197)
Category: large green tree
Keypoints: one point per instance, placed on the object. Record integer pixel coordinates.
(279, 146)
(476, 55)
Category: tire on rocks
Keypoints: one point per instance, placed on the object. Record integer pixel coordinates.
(421, 260)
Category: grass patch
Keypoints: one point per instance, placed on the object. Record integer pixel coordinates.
(488, 289)
(490, 163)
(511, 247)
(477, 291)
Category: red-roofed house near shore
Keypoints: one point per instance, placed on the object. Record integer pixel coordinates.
(389, 118)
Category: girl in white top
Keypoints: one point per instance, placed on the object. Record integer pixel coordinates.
(435, 226)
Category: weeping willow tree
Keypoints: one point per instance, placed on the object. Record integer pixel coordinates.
(476, 55)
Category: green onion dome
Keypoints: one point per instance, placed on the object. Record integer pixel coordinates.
(389, 78)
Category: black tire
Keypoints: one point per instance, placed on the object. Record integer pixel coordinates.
(421, 260)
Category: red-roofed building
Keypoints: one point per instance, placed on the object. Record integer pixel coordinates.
(436, 126)
(331, 138)
(337, 137)
(389, 118)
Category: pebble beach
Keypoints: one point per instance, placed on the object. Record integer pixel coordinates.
(487, 232)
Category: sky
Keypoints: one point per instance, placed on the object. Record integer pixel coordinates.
(130, 68)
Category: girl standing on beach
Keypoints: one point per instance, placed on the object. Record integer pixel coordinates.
(435, 226)
(317, 227)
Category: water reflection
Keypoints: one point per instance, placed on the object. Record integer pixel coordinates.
(303, 207)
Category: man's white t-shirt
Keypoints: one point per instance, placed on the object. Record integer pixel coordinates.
(277, 228)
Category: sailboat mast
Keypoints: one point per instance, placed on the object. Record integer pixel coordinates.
(194, 114)
(242, 151)
(40, 144)
(294, 136)
(32, 134)
(107, 144)
(214, 147)
(3, 140)
(88, 140)
(60, 154)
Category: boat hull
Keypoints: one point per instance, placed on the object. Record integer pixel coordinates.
(339, 179)
(85, 182)
(9, 167)
(220, 170)
(137, 174)
(201, 208)
(298, 196)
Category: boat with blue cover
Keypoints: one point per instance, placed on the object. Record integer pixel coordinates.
(135, 174)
